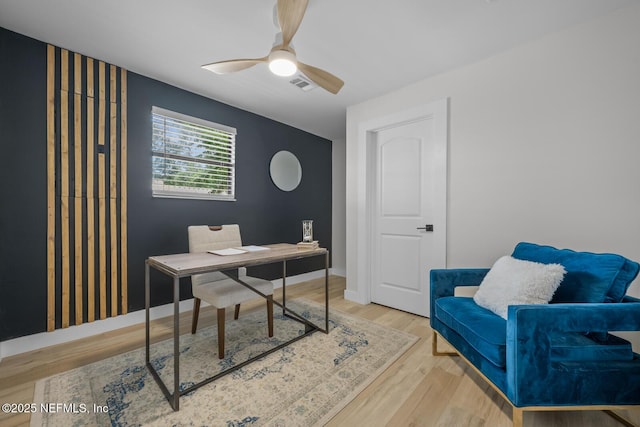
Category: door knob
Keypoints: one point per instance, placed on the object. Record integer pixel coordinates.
(428, 227)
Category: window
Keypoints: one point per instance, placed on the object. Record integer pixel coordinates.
(192, 158)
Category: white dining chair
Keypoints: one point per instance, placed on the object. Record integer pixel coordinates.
(217, 289)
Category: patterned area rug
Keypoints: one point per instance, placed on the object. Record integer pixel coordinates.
(304, 384)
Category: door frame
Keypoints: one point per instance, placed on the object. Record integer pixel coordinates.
(366, 187)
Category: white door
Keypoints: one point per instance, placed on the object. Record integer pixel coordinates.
(409, 236)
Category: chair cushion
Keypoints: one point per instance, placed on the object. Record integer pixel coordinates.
(227, 292)
(591, 277)
(485, 331)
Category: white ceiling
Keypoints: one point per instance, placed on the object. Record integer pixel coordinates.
(374, 46)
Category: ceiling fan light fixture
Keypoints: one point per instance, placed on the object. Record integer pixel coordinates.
(282, 59)
(282, 63)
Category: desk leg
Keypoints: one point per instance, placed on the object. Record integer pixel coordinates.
(176, 343)
(173, 398)
(284, 286)
(147, 304)
(326, 293)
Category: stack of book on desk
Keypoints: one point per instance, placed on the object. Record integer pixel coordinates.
(309, 245)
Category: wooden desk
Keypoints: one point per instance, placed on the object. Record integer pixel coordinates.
(185, 265)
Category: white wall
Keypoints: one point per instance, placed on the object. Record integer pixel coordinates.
(338, 220)
(544, 146)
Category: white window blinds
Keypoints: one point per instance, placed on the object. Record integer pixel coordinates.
(192, 158)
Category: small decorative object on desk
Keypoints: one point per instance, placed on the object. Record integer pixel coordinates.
(307, 230)
(309, 245)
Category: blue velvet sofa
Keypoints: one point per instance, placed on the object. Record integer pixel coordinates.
(547, 356)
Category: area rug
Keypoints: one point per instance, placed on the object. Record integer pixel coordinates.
(303, 384)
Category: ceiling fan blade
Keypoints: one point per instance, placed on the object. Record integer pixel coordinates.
(233, 65)
(290, 14)
(322, 78)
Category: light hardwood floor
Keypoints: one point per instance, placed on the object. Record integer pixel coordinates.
(417, 390)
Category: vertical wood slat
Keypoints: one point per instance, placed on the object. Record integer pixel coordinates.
(77, 145)
(102, 233)
(51, 189)
(64, 182)
(91, 270)
(77, 74)
(123, 192)
(113, 228)
(101, 101)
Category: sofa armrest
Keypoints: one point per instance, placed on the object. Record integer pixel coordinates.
(530, 329)
(444, 281)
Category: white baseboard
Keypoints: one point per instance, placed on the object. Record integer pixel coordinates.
(292, 280)
(338, 272)
(59, 336)
(354, 297)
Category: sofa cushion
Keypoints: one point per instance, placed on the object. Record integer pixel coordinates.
(482, 329)
(591, 277)
(513, 281)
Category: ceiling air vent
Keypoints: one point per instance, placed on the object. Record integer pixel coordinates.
(303, 82)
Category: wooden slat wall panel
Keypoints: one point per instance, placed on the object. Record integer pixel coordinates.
(91, 245)
(102, 210)
(79, 135)
(77, 196)
(102, 237)
(51, 189)
(123, 190)
(64, 182)
(113, 216)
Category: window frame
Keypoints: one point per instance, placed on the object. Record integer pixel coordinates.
(229, 133)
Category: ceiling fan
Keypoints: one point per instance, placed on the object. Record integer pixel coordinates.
(282, 58)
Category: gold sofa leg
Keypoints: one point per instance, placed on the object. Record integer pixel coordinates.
(619, 418)
(434, 347)
(517, 416)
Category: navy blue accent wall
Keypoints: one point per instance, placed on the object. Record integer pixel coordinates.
(23, 185)
(155, 225)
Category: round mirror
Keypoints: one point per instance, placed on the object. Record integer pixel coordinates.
(285, 170)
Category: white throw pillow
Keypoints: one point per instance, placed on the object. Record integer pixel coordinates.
(515, 282)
